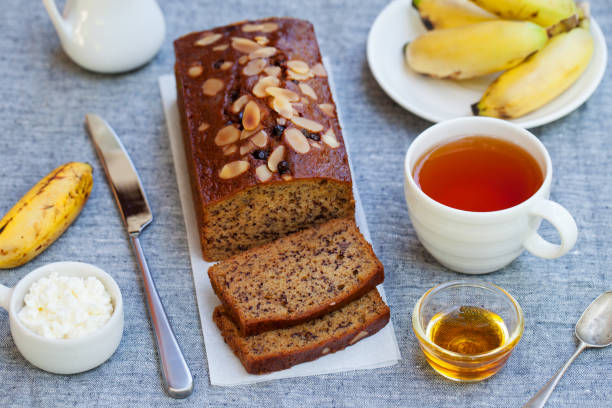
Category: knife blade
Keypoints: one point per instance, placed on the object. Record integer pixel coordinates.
(136, 214)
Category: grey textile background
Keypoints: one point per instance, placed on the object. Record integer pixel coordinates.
(44, 97)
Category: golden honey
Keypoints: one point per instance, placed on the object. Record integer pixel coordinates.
(467, 332)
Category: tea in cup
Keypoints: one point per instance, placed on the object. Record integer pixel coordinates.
(477, 190)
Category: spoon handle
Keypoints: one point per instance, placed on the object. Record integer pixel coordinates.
(539, 400)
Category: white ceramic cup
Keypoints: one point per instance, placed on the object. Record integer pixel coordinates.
(482, 242)
(64, 356)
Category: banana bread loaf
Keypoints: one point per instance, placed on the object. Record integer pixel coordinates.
(282, 348)
(263, 144)
(296, 278)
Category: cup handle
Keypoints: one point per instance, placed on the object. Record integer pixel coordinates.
(563, 222)
(5, 296)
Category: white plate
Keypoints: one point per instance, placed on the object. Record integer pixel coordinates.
(438, 99)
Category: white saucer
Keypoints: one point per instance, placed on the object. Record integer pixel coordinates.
(438, 99)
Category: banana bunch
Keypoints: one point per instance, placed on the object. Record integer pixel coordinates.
(542, 45)
(44, 213)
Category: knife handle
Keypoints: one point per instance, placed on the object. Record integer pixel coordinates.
(177, 378)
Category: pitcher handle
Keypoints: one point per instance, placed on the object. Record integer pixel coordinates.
(563, 222)
(61, 26)
(5, 296)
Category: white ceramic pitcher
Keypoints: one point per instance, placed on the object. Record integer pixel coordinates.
(109, 36)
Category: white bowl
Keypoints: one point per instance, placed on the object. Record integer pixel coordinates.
(64, 356)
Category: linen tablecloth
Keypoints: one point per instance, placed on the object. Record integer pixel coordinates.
(44, 97)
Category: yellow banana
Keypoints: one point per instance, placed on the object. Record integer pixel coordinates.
(437, 14)
(44, 213)
(474, 50)
(541, 78)
(542, 12)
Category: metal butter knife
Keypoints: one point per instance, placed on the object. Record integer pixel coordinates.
(136, 214)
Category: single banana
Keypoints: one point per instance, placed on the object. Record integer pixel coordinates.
(542, 12)
(541, 78)
(474, 50)
(436, 14)
(44, 213)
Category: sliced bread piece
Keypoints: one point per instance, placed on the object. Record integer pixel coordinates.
(283, 348)
(296, 278)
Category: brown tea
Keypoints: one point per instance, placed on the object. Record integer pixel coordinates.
(478, 173)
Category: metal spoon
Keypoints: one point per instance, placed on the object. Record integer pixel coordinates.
(594, 329)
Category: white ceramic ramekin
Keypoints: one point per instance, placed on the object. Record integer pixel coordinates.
(64, 356)
(482, 242)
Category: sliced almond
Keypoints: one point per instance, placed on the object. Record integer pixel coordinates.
(248, 133)
(244, 45)
(261, 40)
(299, 77)
(308, 91)
(260, 139)
(239, 103)
(297, 140)
(264, 52)
(276, 157)
(195, 71)
(251, 116)
(212, 86)
(316, 145)
(304, 101)
(269, 27)
(247, 147)
(283, 107)
(234, 169)
(298, 66)
(254, 67)
(243, 60)
(221, 47)
(203, 126)
(227, 135)
(249, 28)
(226, 65)
(272, 70)
(229, 149)
(262, 173)
(307, 124)
(259, 90)
(319, 70)
(328, 109)
(207, 39)
(283, 93)
(329, 138)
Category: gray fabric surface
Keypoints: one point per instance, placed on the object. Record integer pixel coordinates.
(44, 99)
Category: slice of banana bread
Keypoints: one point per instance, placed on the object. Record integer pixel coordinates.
(296, 278)
(283, 348)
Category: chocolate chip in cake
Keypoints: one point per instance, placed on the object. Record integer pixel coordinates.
(310, 135)
(283, 167)
(277, 131)
(217, 64)
(261, 154)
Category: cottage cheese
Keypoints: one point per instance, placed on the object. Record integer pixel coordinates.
(66, 307)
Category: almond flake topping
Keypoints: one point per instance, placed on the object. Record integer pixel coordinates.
(264, 52)
(262, 172)
(233, 169)
(308, 91)
(283, 107)
(246, 148)
(276, 157)
(319, 70)
(212, 86)
(239, 103)
(251, 116)
(265, 27)
(260, 139)
(227, 135)
(259, 90)
(203, 126)
(226, 65)
(244, 45)
(254, 67)
(261, 40)
(229, 149)
(248, 133)
(195, 71)
(299, 77)
(272, 70)
(329, 138)
(328, 109)
(208, 39)
(307, 124)
(297, 140)
(221, 47)
(298, 66)
(316, 145)
(283, 93)
(243, 60)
